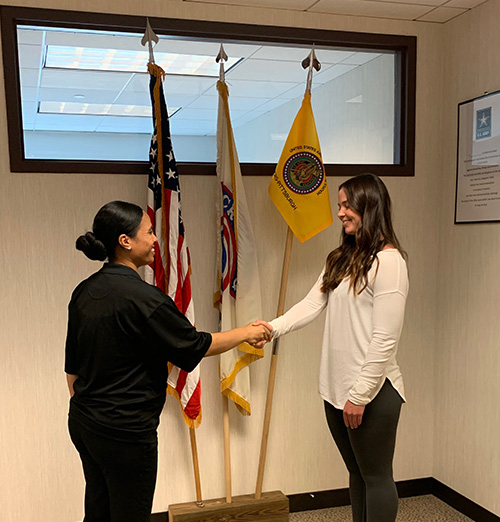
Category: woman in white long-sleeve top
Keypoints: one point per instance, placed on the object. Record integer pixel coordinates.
(363, 287)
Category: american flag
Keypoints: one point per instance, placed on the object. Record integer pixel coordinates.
(171, 268)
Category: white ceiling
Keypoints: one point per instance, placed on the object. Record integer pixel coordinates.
(438, 11)
(263, 79)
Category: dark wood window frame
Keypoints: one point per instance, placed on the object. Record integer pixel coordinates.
(403, 46)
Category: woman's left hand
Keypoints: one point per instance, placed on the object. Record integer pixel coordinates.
(353, 415)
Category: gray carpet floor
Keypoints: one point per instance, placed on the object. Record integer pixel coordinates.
(426, 508)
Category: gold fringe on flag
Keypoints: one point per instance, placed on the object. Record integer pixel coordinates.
(250, 354)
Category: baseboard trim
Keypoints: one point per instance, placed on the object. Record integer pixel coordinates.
(406, 488)
(340, 497)
(462, 504)
(318, 500)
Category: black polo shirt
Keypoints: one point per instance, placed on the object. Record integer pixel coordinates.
(122, 332)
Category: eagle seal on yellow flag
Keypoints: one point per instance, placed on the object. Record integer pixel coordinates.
(298, 187)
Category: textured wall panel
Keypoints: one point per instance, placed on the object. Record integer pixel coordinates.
(467, 418)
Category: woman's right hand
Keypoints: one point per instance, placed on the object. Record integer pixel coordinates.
(353, 415)
(258, 333)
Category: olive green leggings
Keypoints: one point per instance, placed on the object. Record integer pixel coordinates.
(368, 452)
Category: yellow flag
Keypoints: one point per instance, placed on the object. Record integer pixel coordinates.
(298, 187)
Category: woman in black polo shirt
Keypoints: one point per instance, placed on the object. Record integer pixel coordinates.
(121, 334)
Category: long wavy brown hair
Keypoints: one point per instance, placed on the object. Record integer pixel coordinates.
(368, 196)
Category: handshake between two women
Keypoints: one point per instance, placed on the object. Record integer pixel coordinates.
(256, 334)
(261, 332)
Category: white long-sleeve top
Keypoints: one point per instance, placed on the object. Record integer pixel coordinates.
(361, 333)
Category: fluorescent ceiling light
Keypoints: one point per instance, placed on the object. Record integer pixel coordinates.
(99, 109)
(86, 58)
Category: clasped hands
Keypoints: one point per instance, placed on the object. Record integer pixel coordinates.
(259, 333)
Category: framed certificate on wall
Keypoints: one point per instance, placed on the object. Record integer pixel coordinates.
(477, 198)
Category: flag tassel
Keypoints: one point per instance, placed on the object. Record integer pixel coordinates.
(274, 364)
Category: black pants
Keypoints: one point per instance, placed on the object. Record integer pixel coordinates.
(120, 477)
(368, 452)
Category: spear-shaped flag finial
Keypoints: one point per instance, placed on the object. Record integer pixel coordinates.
(312, 62)
(148, 38)
(221, 57)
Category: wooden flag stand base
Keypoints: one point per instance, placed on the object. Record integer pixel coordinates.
(271, 507)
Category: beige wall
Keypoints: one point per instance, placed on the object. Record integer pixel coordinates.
(467, 353)
(40, 475)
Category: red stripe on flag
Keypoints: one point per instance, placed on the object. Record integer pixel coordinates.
(158, 269)
(193, 406)
(181, 381)
(186, 293)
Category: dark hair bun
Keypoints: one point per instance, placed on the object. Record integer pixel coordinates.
(91, 247)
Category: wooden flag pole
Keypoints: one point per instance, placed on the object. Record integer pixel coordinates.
(196, 467)
(274, 363)
(227, 449)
